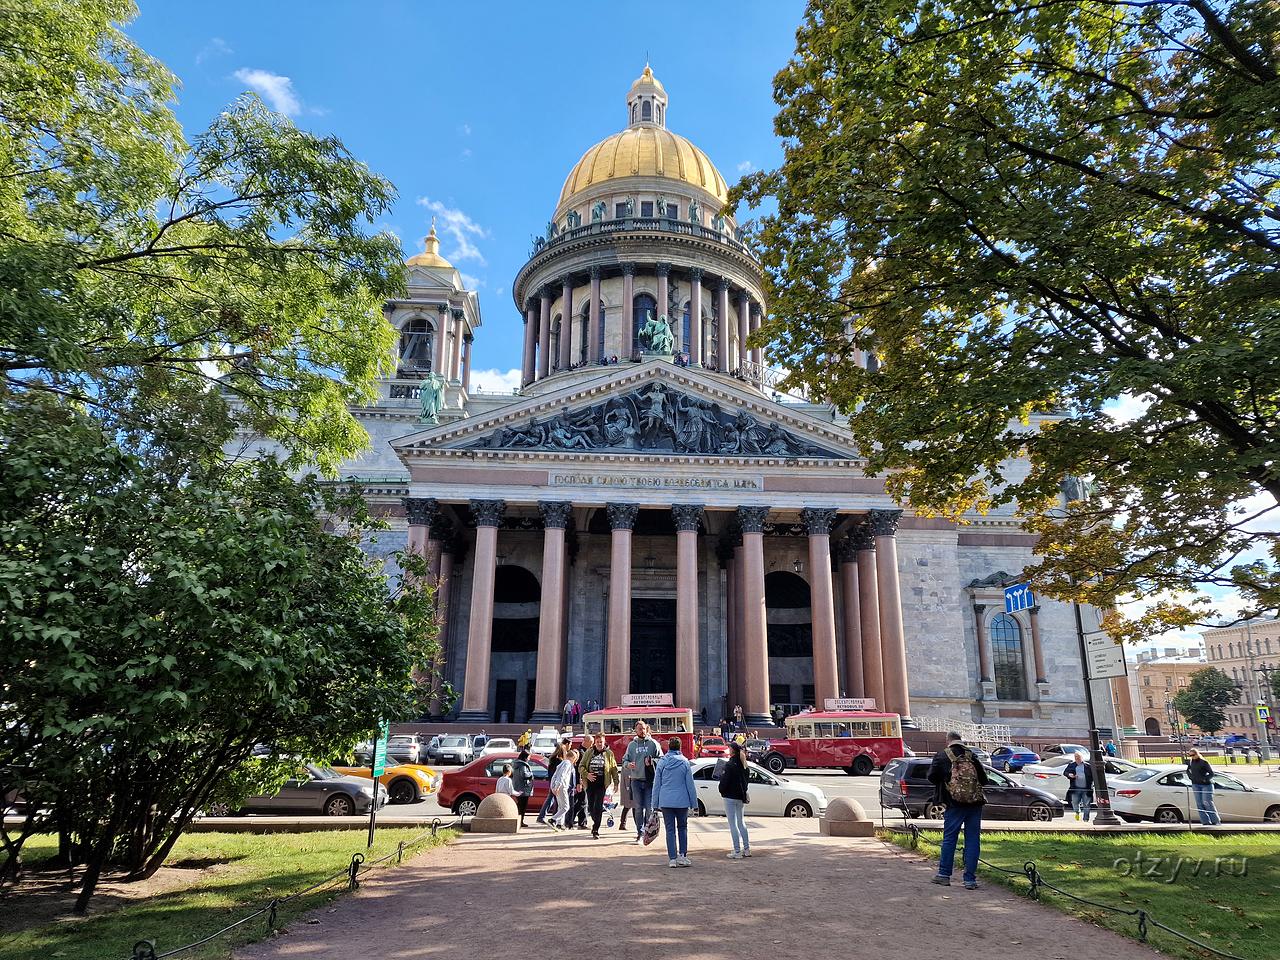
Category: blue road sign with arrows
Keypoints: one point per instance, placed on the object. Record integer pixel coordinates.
(1018, 597)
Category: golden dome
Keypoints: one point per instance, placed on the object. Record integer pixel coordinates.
(645, 150)
(431, 256)
(648, 78)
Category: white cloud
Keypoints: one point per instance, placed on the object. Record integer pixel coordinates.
(746, 166)
(466, 152)
(275, 89)
(465, 129)
(495, 381)
(1127, 407)
(216, 47)
(461, 228)
(470, 282)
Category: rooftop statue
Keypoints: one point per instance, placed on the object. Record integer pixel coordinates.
(597, 211)
(431, 396)
(655, 335)
(695, 212)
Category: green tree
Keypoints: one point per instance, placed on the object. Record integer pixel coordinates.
(158, 627)
(180, 290)
(1026, 211)
(1201, 703)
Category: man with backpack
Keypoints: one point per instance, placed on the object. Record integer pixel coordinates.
(958, 778)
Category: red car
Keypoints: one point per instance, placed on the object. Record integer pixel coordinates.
(714, 747)
(462, 790)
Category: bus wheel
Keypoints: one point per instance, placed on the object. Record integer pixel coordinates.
(774, 763)
(862, 766)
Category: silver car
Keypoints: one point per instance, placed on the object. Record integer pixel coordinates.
(456, 749)
(320, 789)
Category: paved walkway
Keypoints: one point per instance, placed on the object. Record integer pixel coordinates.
(801, 894)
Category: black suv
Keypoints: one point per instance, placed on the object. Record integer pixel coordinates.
(905, 786)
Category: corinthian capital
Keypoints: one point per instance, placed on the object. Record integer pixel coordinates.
(884, 523)
(751, 519)
(687, 515)
(817, 519)
(622, 516)
(422, 511)
(488, 513)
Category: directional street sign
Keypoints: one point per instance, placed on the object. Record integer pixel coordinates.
(380, 748)
(1105, 657)
(1018, 597)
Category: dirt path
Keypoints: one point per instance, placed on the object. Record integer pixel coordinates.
(800, 894)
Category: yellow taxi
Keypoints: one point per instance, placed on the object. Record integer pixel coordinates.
(405, 782)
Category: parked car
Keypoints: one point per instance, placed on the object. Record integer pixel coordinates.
(1012, 758)
(462, 790)
(715, 747)
(499, 745)
(1065, 750)
(1047, 774)
(319, 789)
(405, 748)
(545, 741)
(1163, 794)
(1210, 742)
(405, 782)
(756, 749)
(771, 796)
(983, 756)
(905, 786)
(452, 749)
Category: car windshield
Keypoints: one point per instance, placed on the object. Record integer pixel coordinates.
(454, 741)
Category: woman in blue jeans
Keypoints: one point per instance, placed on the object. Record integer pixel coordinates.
(674, 795)
(733, 787)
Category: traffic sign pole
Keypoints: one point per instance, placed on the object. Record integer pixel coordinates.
(377, 767)
(1106, 816)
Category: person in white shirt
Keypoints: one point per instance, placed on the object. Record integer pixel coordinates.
(505, 783)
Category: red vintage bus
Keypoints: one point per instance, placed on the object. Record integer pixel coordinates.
(855, 741)
(618, 725)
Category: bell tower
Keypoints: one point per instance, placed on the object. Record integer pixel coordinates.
(647, 101)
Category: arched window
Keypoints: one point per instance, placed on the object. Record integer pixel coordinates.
(555, 343)
(646, 111)
(642, 306)
(585, 327)
(1006, 656)
(633, 113)
(1231, 649)
(417, 342)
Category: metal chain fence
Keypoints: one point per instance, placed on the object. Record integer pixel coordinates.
(349, 876)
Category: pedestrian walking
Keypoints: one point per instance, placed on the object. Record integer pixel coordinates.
(561, 785)
(733, 788)
(1200, 774)
(1110, 748)
(522, 781)
(526, 738)
(597, 771)
(578, 796)
(549, 804)
(1080, 785)
(958, 779)
(674, 795)
(643, 754)
(625, 798)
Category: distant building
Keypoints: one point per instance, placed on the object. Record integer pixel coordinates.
(1246, 653)
(1157, 677)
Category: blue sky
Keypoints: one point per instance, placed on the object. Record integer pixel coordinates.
(477, 111)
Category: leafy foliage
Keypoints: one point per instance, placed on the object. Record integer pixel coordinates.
(1025, 212)
(140, 272)
(155, 631)
(1202, 702)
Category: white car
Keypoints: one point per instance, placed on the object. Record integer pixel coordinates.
(771, 795)
(1065, 750)
(499, 745)
(1163, 794)
(1047, 774)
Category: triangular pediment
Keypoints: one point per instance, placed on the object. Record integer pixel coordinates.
(656, 408)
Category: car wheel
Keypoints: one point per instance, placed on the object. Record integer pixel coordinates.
(1040, 812)
(798, 808)
(403, 791)
(1272, 815)
(862, 766)
(702, 810)
(466, 806)
(339, 805)
(774, 763)
(218, 810)
(934, 810)
(1168, 815)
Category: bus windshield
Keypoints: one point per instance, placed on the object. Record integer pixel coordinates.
(675, 721)
(800, 729)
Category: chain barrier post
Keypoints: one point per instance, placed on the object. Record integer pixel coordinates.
(144, 950)
(353, 871)
(1142, 925)
(272, 914)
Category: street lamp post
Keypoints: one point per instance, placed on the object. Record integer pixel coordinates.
(1264, 744)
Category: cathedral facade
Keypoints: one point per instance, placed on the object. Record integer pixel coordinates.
(649, 514)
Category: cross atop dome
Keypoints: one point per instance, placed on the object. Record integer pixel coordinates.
(647, 101)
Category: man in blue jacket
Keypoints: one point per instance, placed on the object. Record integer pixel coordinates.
(674, 795)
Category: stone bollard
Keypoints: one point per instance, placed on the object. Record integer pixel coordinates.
(846, 818)
(497, 813)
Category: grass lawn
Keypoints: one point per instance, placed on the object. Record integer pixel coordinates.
(231, 874)
(1222, 890)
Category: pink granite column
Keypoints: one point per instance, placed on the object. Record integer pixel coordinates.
(466, 361)
(724, 553)
(853, 672)
(549, 691)
(739, 619)
(443, 586)
(884, 527)
(722, 306)
(744, 323)
(544, 333)
(475, 691)
(628, 315)
(687, 517)
(442, 339)
(984, 644)
(529, 359)
(694, 346)
(1037, 651)
(822, 607)
(756, 641)
(757, 353)
(594, 349)
(455, 361)
(664, 295)
(566, 322)
(622, 517)
(864, 547)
